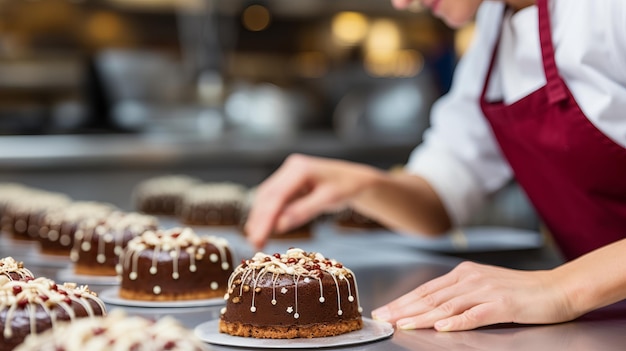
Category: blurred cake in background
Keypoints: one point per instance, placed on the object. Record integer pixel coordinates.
(22, 215)
(57, 226)
(213, 204)
(162, 195)
(174, 264)
(98, 242)
(349, 218)
(117, 331)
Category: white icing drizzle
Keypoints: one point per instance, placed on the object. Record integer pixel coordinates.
(9, 265)
(117, 331)
(300, 265)
(54, 221)
(47, 294)
(117, 227)
(173, 241)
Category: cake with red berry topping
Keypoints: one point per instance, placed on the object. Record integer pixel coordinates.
(117, 331)
(35, 305)
(297, 294)
(98, 242)
(174, 264)
(10, 269)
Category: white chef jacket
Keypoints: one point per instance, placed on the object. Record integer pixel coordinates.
(459, 156)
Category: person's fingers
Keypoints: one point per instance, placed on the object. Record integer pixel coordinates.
(271, 198)
(304, 208)
(422, 296)
(450, 307)
(477, 316)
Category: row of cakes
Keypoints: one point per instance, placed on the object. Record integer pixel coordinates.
(176, 264)
(36, 313)
(216, 203)
(290, 295)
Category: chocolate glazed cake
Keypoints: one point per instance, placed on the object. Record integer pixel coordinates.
(98, 242)
(10, 269)
(293, 295)
(33, 306)
(174, 264)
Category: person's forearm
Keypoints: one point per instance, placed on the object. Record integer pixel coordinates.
(405, 203)
(596, 279)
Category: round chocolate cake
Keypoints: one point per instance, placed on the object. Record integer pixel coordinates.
(117, 331)
(10, 269)
(98, 242)
(162, 195)
(174, 264)
(57, 227)
(292, 295)
(349, 218)
(213, 204)
(33, 306)
(22, 215)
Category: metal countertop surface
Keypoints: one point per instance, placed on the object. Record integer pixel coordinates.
(388, 265)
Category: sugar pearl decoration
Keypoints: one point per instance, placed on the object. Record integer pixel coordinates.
(156, 290)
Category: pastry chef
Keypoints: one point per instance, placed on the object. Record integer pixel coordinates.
(540, 97)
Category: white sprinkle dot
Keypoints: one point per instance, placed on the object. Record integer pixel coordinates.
(213, 258)
(283, 290)
(223, 310)
(296, 315)
(192, 268)
(225, 265)
(132, 275)
(289, 309)
(340, 312)
(273, 302)
(214, 285)
(101, 258)
(322, 299)
(252, 309)
(350, 298)
(153, 270)
(175, 275)
(360, 309)
(86, 246)
(156, 290)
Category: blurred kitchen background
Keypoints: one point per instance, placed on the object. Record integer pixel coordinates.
(96, 95)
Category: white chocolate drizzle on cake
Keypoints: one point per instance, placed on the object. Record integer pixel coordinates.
(173, 241)
(297, 263)
(114, 228)
(53, 221)
(117, 331)
(9, 267)
(44, 293)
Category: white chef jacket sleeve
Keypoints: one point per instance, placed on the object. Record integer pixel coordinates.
(459, 156)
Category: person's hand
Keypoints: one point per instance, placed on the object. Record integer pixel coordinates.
(402, 4)
(474, 295)
(300, 189)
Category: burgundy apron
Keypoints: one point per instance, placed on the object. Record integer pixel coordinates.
(574, 175)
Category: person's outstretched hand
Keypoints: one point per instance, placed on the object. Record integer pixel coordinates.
(300, 189)
(474, 295)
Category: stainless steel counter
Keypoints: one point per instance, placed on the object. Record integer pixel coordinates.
(388, 265)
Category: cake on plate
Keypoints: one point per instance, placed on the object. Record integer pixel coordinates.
(10, 269)
(162, 195)
(349, 218)
(116, 331)
(297, 294)
(35, 305)
(57, 226)
(213, 204)
(98, 242)
(174, 264)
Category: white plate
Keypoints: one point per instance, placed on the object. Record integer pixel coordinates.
(372, 330)
(111, 296)
(68, 275)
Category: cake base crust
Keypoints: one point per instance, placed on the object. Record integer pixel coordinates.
(290, 332)
(97, 271)
(197, 295)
